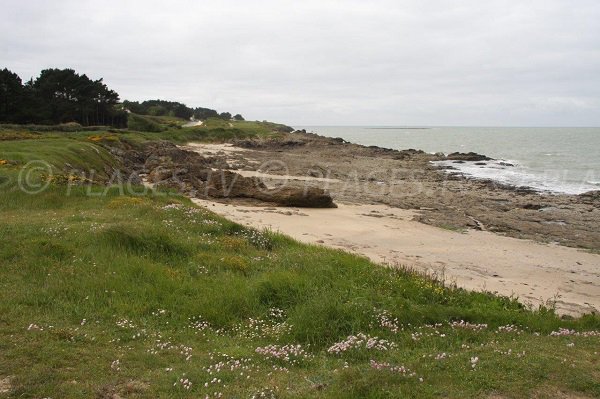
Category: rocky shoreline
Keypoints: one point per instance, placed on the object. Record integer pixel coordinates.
(307, 170)
(407, 179)
(162, 163)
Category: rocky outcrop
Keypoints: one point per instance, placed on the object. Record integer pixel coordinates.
(189, 172)
(591, 198)
(311, 197)
(469, 156)
(269, 143)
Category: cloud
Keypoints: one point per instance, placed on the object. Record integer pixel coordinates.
(328, 62)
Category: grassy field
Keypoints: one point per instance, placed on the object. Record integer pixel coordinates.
(148, 128)
(105, 294)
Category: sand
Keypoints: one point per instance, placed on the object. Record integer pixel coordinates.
(210, 148)
(193, 124)
(476, 260)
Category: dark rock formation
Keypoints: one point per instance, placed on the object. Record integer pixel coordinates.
(505, 163)
(591, 198)
(469, 156)
(269, 143)
(405, 154)
(167, 165)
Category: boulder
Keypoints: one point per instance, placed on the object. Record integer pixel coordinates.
(227, 184)
(199, 180)
(311, 197)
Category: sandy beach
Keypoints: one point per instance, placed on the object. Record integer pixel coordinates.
(534, 271)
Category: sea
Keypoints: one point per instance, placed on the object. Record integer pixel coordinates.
(555, 160)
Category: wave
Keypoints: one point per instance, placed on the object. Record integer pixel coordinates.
(511, 173)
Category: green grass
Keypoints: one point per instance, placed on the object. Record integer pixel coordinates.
(147, 279)
(144, 128)
(58, 152)
(218, 130)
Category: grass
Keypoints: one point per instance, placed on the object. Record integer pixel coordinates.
(144, 128)
(138, 295)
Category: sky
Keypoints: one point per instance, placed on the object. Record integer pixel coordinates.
(402, 62)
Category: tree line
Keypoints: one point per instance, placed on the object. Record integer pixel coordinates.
(58, 96)
(179, 110)
(62, 95)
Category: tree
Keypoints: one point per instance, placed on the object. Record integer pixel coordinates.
(238, 117)
(160, 108)
(225, 115)
(134, 106)
(172, 108)
(182, 111)
(11, 96)
(59, 96)
(157, 110)
(205, 113)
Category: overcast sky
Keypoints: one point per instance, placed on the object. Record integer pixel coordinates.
(421, 62)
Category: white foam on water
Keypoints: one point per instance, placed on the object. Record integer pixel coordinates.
(500, 171)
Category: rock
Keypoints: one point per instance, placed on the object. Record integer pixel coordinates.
(191, 173)
(226, 184)
(160, 174)
(304, 198)
(447, 167)
(535, 207)
(590, 198)
(469, 156)
(502, 163)
(404, 154)
(269, 143)
(318, 171)
(480, 163)
(154, 161)
(291, 143)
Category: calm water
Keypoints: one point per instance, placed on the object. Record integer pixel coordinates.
(550, 159)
